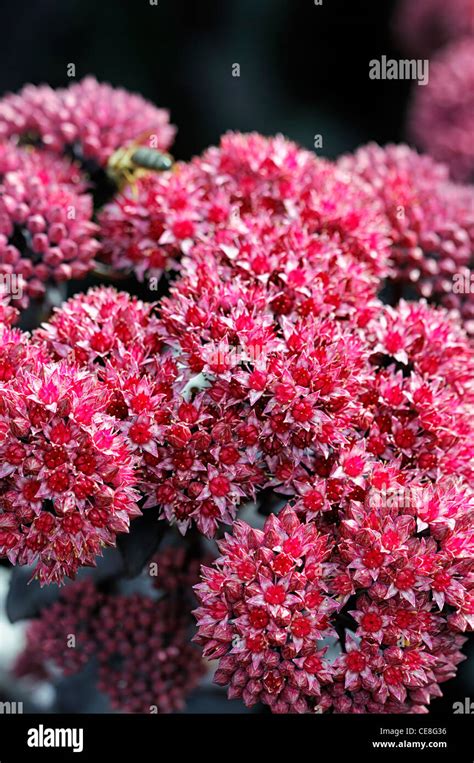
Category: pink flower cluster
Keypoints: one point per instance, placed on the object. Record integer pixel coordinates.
(216, 198)
(424, 410)
(427, 25)
(46, 229)
(431, 222)
(89, 118)
(441, 119)
(66, 475)
(441, 116)
(342, 614)
(141, 642)
(271, 366)
(101, 326)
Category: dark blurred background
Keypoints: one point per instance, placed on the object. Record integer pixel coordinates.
(303, 72)
(303, 67)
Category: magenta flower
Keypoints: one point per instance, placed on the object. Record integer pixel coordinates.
(46, 228)
(66, 476)
(278, 605)
(216, 198)
(431, 222)
(427, 25)
(141, 643)
(395, 680)
(101, 325)
(201, 460)
(424, 336)
(157, 666)
(441, 119)
(264, 606)
(282, 272)
(88, 118)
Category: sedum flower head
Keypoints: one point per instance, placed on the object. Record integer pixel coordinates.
(98, 326)
(427, 25)
(88, 119)
(441, 119)
(148, 227)
(431, 221)
(46, 230)
(139, 642)
(264, 608)
(349, 614)
(48, 638)
(66, 476)
(146, 661)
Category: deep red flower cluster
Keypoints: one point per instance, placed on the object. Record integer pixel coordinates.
(141, 642)
(420, 408)
(66, 475)
(62, 636)
(158, 667)
(46, 229)
(272, 365)
(216, 197)
(431, 222)
(100, 326)
(345, 614)
(89, 119)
